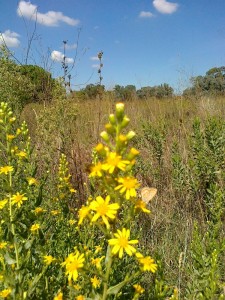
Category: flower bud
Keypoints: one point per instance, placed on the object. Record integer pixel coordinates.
(104, 135)
(120, 111)
(132, 154)
(125, 122)
(112, 119)
(110, 128)
(130, 135)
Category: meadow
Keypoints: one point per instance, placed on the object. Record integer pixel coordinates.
(73, 224)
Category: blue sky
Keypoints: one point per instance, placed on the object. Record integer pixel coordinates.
(145, 42)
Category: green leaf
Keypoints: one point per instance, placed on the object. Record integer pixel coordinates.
(39, 197)
(9, 260)
(28, 244)
(108, 253)
(113, 290)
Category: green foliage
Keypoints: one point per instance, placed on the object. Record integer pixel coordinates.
(91, 91)
(207, 250)
(160, 91)
(129, 92)
(212, 83)
(42, 81)
(14, 86)
(125, 93)
(21, 85)
(207, 159)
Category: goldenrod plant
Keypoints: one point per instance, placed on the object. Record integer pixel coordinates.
(20, 231)
(51, 250)
(110, 258)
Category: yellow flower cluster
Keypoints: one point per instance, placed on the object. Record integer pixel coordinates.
(6, 170)
(117, 191)
(64, 176)
(5, 293)
(73, 263)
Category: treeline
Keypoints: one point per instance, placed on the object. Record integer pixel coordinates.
(23, 84)
(212, 83)
(127, 92)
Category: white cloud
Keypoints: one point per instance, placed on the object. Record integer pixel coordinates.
(94, 58)
(59, 56)
(70, 47)
(10, 38)
(51, 18)
(165, 7)
(146, 14)
(95, 66)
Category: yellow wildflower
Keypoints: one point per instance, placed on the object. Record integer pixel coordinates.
(104, 209)
(10, 137)
(147, 263)
(39, 210)
(59, 296)
(18, 131)
(77, 287)
(100, 148)
(3, 203)
(72, 263)
(97, 262)
(80, 297)
(1, 277)
(96, 170)
(83, 212)
(115, 161)
(98, 249)
(134, 152)
(138, 289)
(13, 119)
(141, 205)
(48, 259)
(35, 227)
(121, 243)
(55, 212)
(22, 154)
(72, 222)
(3, 245)
(72, 190)
(6, 169)
(5, 293)
(95, 282)
(18, 199)
(32, 181)
(128, 185)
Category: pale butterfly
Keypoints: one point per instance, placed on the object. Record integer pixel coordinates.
(148, 193)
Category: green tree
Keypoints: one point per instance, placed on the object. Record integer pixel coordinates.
(42, 81)
(15, 88)
(212, 83)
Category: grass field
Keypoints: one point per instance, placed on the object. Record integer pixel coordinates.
(181, 144)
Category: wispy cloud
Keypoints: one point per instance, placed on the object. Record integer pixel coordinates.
(165, 7)
(59, 56)
(10, 38)
(95, 66)
(50, 18)
(146, 14)
(95, 58)
(69, 47)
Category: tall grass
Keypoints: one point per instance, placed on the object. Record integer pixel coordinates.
(181, 143)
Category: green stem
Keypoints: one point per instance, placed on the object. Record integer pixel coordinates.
(108, 269)
(12, 224)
